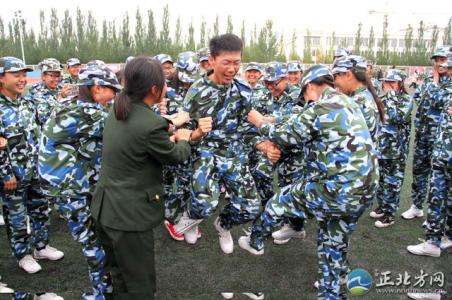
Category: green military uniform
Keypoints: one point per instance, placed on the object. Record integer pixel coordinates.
(128, 201)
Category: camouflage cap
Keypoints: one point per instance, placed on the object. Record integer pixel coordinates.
(342, 52)
(73, 61)
(393, 75)
(10, 64)
(187, 62)
(50, 65)
(348, 62)
(443, 51)
(294, 66)
(315, 72)
(99, 75)
(275, 71)
(96, 62)
(163, 58)
(254, 66)
(203, 54)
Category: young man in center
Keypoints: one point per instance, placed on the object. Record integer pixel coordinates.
(220, 157)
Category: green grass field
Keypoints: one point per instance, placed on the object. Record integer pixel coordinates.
(202, 271)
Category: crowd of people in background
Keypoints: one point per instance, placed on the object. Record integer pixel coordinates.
(166, 140)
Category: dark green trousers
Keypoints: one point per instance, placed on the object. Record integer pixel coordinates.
(130, 261)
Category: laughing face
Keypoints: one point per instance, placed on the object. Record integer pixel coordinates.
(13, 83)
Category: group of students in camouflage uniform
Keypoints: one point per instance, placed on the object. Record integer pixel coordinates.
(323, 136)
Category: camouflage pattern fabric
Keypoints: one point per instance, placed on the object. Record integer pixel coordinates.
(439, 217)
(19, 160)
(71, 149)
(393, 143)
(220, 157)
(45, 101)
(340, 181)
(429, 98)
(364, 99)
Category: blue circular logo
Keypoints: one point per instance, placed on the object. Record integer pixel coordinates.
(359, 282)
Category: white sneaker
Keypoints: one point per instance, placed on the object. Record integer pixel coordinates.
(244, 243)
(4, 289)
(2, 220)
(49, 253)
(185, 223)
(227, 295)
(316, 284)
(286, 232)
(48, 296)
(191, 235)
(412, 213)
(424, 296)
(225, 237)
(376, 213)
(254, 296)
(446, 243)
(425, 248)
(29, 264)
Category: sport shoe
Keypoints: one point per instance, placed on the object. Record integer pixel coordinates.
(192, 235)
(2, 220)
(377, 213)
(446, 243)
(412, 213)
(254, 296)
(424, 296)
(29, 264)
(49, 253)
(227, 295)
(244, 243)
(172, 232)
(385, 221)
(225, 237)
(48, 296)
(284, 235)
(185, 223)
(4, 289)
(425, 248)
(316, 285)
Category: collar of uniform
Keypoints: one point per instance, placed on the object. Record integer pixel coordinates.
(13, 102)
(141, 103)
(358, 90)
(89, 103)
(210, 82)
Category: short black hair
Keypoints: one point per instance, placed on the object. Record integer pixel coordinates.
(227, 42)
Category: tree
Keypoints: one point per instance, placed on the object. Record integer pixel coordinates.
(216, 26)
(230, 27)
(191, 45)
(420, 46)
(202, 34)
(408, 55)
(151, 35)
(177, 41)
(307, 54)
(447, 34)
(293, 55)
(434, 39)
(382, 55)
(358, 40)
(139, 34)
(281, 55)
(67, 36)
(164, 45)
(370, 51)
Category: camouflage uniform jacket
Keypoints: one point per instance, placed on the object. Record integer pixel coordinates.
(429, 101)
(69, 80)
(257, 92)
(45, 100)
(377, 86)
(71, 149)
(228, 105)
(364, 99)
(442, 150)
(394, 134)
(18, 126)
(341, 160)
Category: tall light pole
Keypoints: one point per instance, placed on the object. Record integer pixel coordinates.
(18, 15)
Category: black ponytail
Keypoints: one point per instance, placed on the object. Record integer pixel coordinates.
(361, 75)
